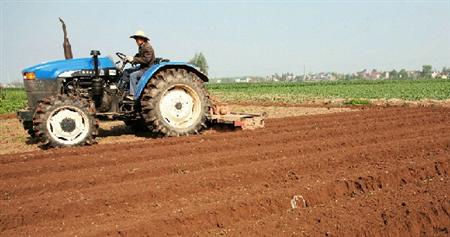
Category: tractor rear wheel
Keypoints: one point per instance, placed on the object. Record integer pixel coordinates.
(62, 120)
(175, 103)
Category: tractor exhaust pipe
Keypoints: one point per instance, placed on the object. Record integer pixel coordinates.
(66, 45)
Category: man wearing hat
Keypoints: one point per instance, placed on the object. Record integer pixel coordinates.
(145, 58)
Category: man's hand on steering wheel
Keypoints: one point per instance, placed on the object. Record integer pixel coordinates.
(130, 59)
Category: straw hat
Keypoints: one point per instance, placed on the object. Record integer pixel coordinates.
(140, 34)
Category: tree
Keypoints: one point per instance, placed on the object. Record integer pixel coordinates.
(199, 60)
(403, 74)
(427, 70)
(393, 74)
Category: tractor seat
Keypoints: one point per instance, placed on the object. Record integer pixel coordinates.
(161, 60)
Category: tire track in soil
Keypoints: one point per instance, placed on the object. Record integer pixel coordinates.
(349, 187)
(243, 181)
(287, 161)
(164, 167)
(281, 137)
(299, 122)
(175, 165)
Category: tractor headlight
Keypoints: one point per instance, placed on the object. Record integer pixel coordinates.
(29, 76)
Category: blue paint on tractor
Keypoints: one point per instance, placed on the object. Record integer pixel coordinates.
(157, 67)
(51, 70)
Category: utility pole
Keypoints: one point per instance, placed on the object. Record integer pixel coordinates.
(304, 72)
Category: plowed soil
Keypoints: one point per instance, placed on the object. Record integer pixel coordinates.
(14, 139)
(376, 172)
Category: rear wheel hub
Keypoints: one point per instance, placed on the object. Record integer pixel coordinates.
(180, 106)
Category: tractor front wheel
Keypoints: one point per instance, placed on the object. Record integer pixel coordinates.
(175, 103)
(62, 120)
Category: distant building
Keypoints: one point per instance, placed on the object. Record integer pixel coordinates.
(414, 73)
(435, 74)
(243, 80)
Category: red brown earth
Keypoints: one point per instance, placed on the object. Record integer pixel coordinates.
(376, 172)
(14, 139)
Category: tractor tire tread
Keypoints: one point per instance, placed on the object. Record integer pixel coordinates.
(151, 94)
(48, 104)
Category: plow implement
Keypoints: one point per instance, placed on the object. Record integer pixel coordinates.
(220, 114)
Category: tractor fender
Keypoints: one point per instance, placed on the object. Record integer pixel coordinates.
(162, 66)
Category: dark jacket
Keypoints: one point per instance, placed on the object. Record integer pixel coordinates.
(146, 56)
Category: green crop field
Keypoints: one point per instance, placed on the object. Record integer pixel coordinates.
(351, 90)
(355, 91)
(12, 100)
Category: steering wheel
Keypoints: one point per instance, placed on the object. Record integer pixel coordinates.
(122, 56)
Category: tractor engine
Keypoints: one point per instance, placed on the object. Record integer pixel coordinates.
(98, 85)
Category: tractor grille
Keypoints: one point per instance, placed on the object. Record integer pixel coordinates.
(39, 89)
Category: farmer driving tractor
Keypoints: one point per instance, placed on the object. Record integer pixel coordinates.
(145, 58)
(66, 98)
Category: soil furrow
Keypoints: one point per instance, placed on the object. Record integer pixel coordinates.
(375, 172)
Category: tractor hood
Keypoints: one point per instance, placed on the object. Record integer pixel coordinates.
(51, 70)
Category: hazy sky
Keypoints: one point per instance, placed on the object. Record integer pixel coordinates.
(237, 37)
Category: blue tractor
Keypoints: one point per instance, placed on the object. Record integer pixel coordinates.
(66, 98)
